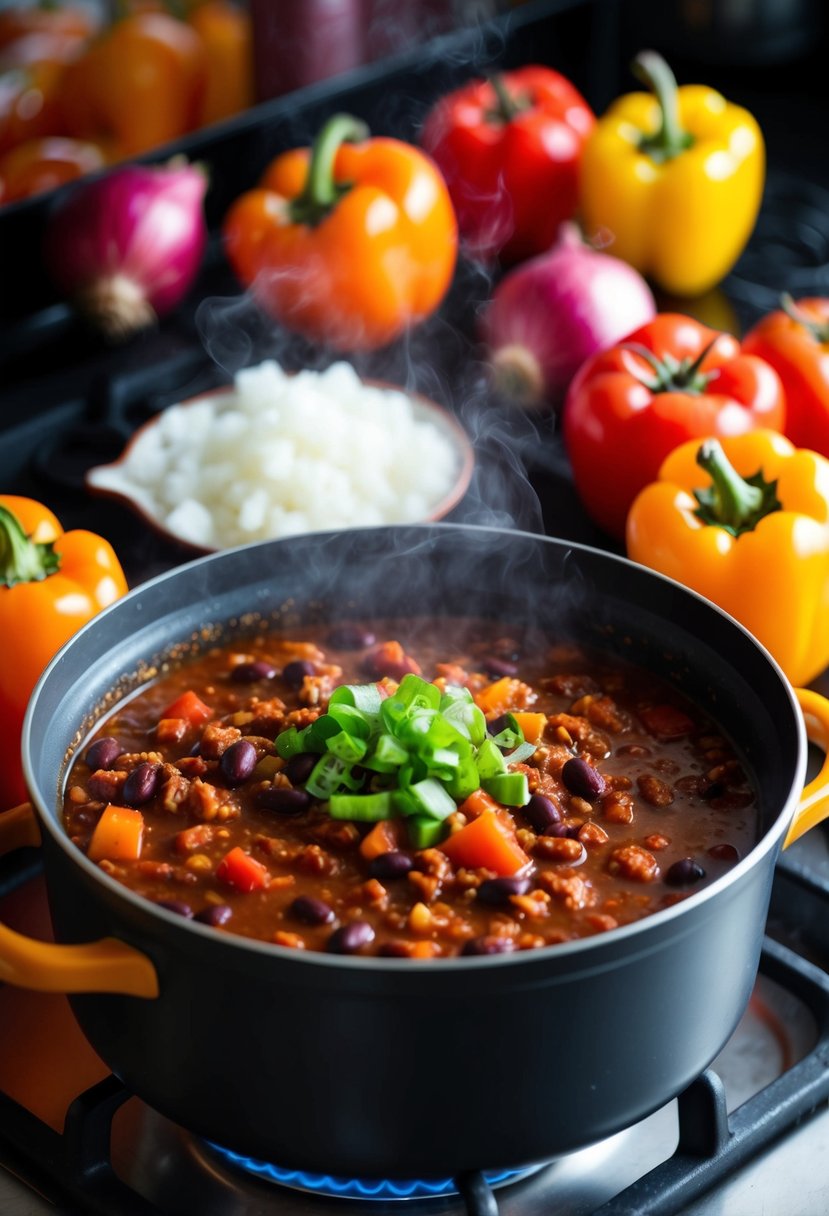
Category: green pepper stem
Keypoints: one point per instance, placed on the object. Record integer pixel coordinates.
(321, 192)
(733, 502)
(670, 139)
(820, 332)
(672, 376)
(23, 560)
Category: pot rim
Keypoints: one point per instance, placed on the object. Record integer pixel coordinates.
(50, 820)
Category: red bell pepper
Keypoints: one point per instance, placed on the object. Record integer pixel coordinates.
(795, 341)
(190, 707)
(671, 380)
(510, 148)
(242, 871)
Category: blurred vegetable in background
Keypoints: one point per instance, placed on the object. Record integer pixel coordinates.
(39, 165)
(675, 178)
(51, 583)
(745, 523)
(18, 20)
(140, 84)
(225, 31)
(509, 149)
(795, 341)
(670, 381)
(348, 243)
(548, 315)
(126, 248)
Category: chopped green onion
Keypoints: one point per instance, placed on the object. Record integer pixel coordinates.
(522, 752)
(512, 789)
(490, 759)
(428, 797)
(412, 690)
(346, 747)
(465, 780)
(328, 774)
(364, 808)
(388, 755)
(510, 736)
(353, 720)
(365, 697)
(423, 832)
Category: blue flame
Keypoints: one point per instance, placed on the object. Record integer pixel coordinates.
(356, 1188)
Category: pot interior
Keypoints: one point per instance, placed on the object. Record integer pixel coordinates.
(572, 592)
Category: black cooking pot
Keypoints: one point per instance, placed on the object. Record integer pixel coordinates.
(389, 1067)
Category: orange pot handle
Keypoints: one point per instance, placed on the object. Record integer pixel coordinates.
(107, 965)
(813, 807)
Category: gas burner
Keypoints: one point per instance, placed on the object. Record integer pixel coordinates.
(789, 249)
(333, 1187)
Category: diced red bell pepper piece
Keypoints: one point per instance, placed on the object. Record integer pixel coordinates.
(190, 707)
(242, 871)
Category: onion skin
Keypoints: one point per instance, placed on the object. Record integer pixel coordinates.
(126, 248)
(551, 313)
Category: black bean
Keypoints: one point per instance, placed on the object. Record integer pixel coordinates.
(141, 784)
(350, 938)
(490, 944)
(294, 673)
(724, 852)
(281, 798)
(176, 905)
(103, 753)
(542, 812)
(249, 673)
(238, 761)
(499, 890)
(390, 865)
(582, 779)
(299, 768)
(215, 915)
(350, 637)
(495, 666)
(684, 873)
(311, 911)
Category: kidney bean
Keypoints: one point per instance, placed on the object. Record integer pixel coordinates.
(176, 905)
(582, 779)
(684, 873)
(490, 944)
(724, 852)
(350, 938)
(563, 829)
(141, 784)
(390, 865)
(238, 761)
(299, 768)
(499, 890)
(497, 725)
(311, 911)
(495, 666)
(542, 812)
(350, 637)
(215, 915)
(294, 673)
(286, 801)
(249, 673)
(103, 753)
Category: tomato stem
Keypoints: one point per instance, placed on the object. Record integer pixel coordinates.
(508, 105)
(818, 330)
(732, 502)
(674, 375)
(670, 139)
(23, 560)
(321, 193)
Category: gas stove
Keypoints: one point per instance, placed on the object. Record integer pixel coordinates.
(749, 1135)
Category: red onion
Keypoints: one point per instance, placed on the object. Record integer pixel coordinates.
(546, 316)
(126, 247)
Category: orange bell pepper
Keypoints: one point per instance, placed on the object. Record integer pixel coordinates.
(745, 522)
(488, 843)
(227, 36)
(139, 85)
(51, 583)
(39, 165)
(348, 243)
(118, 835)
(72, 21)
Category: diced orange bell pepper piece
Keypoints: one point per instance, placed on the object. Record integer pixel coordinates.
(478, 802)
(385, 837)
(118, 835)
(532, 725)
(487, 843)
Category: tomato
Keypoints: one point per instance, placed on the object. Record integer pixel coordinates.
(795, 341)
(671, 380)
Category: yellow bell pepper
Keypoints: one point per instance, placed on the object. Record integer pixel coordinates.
(675, 177)
(745, 522)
